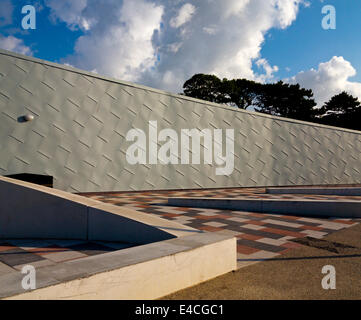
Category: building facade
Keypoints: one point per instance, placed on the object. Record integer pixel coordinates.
(92, 133)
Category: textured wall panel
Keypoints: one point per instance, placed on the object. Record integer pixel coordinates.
(82, 119)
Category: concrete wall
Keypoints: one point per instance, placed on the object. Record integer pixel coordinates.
(36, 212)
(78, 135)
(144, 272)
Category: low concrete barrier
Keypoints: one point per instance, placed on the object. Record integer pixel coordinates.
(326, 208)
(145, 272)
(317, 191)
(32, 211)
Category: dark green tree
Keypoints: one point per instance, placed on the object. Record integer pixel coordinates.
(238, 92)
(205, 87)
(342, 110)
(342, 103)
(286, 100)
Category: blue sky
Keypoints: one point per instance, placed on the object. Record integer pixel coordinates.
(161, 43)
(305, 44)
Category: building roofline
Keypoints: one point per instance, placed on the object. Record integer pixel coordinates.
(166, 93)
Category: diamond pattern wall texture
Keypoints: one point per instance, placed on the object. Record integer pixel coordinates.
(78, 135)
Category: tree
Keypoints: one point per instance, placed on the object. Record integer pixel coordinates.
(238, 92)
(286, 100)
(342, 110)
(342, 103)
(205, 87)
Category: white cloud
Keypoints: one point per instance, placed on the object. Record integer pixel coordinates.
(184, 15)
(13, 44)
(331, 77)
(162, 43)
(6, 12)
(210, 30)
(269, 70)
(70, 12)
(224, 38)
(121, 44)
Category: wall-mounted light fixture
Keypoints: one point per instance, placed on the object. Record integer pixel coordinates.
(26, 118)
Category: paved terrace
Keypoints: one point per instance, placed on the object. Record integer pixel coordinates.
(260, 236)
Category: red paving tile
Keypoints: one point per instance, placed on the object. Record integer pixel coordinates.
(290, 217)
(210, 228)
(170, 215)
(222, 216)
(249, 236)
(311, 228)
(284, 251)
(246, 250)
(258, 215)
(47, 250)
(283, 232)
(204, 217)
(6, 247)
(255, 222)
(344, 222)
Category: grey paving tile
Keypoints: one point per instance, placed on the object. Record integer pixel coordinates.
(259, 245)
(36, 264)
(18, 256)
(65, 256)
(91, 248)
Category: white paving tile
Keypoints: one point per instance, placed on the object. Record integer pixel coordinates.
(209, 214)
(241, 213)
(333, 225)
(263, 255)
(274, 242)
(214, 224)
(240, 220)
(314, 234)
(286, 238)
(318, 221)
(229, 232)
(283, 223)
(169, 210)
(252, 226)
(203, 210)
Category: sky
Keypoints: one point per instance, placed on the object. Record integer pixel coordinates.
(162, 43)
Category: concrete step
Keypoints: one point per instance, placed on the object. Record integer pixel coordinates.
(324, 208)
(318, 191)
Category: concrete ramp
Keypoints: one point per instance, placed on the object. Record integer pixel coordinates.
(32, 211)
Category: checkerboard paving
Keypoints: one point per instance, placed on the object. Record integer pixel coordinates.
(14, 254)
(259, 236)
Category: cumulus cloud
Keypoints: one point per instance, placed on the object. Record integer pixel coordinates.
(121, 44)
(70, 12)
(6, 12)
(162, 43)
(269, 70)
(330, 78)
(184, 15)
(14, 44)
(223, 38)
